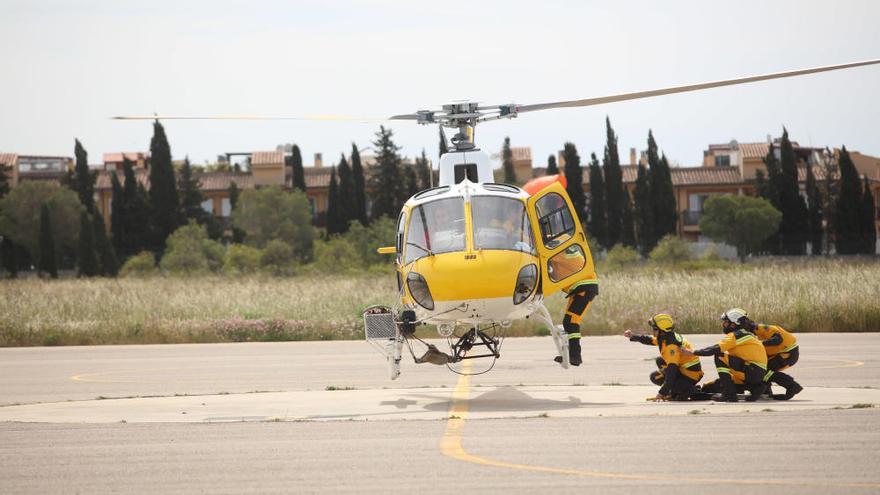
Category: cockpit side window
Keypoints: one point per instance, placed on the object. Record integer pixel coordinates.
(434, 228)
(554, 217)
(501, 223)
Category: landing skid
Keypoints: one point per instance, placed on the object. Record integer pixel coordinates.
(560, 338)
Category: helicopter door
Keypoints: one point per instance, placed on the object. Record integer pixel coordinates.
(559, 238)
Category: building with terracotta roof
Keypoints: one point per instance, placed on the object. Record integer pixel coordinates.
(115, 161)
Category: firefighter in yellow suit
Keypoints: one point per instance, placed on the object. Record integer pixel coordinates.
(579, 296)
(680, 369)
(744, 352)
(782, 353)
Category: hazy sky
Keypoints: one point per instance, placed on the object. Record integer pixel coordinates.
(70, 65)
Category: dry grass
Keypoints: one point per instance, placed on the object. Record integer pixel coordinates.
(823, 295)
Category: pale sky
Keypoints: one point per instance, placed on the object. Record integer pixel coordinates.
(70, 65)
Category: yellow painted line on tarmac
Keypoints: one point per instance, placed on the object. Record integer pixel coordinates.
(847, 363)
(451, 446)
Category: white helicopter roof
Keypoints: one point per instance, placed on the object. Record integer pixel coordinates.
(466, 189)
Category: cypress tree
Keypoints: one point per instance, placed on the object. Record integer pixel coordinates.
(333, 220)
(574, 176)
(869, 228)
(848, 208)
(627, 230)
(86, 259)
(117, 214)
(237, 233)
(644, 212)
(552, 169)
(444, 148)
(424, 172)
(507, 162)
(829, 196)
(191, 197)
(298, 176)
(662, 196)
(598, 222)
(388, 177)
(614, 190)
(345, 195)
(84, 179)
(163, 190)
(4, 181)
(360, 192)
(769, 190)
(794, 224)
(814, 212)
(10, 260)
(411, 182)
(47, 263)
(136, 227)
(109, 264)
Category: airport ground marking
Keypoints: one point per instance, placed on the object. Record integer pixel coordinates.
(451, 446)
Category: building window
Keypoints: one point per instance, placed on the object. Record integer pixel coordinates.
(208, 205)
(226, 207)
(722, 160)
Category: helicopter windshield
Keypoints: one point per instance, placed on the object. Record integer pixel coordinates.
(434, 228)
(501, 223)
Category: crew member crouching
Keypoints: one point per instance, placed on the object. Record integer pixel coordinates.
(679, 369)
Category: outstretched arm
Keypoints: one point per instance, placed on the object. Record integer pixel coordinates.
(713, 350)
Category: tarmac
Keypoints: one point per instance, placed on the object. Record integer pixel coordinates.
(304, 417)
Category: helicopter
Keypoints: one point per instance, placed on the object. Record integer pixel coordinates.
(472, 255)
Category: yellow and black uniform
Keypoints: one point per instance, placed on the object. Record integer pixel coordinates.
(679, 366)
(714, 387)
(580, 296)
(781, 346)
(744, 353)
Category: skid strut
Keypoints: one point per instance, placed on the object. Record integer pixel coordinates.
(475, 338)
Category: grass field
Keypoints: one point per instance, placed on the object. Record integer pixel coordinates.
(804, 296)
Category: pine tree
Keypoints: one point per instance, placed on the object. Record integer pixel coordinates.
(598, 222)
(117, 214)
(297, 173)
(360, 193)
(552, 169)
(347, 209)
(333, 221)
(47, 263)
(444, 148)
(868, 212)
(627, 227)
(388, 178)
(84, 180)
(794, 213)
(848, 208)
(614, 191)
(644, 212)
(163, 190)
(424, 172)
(574, 176)
(108, 263)
(86, 259)
(507, 162)
(814, 212)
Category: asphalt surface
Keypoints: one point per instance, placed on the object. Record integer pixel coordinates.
(323, 416)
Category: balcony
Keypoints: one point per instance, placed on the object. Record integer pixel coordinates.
(691, 218)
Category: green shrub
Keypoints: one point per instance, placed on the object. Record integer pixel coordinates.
(190, 251)
(671, 250)
(366, 240)
(621, 255)
(279, 259)
(141, 265)
(241, 260)
(336, 255)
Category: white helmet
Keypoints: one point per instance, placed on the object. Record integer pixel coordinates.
(734, 315)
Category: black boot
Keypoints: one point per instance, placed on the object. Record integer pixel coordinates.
(792, 387)
(574, 353)
(755, 392)
(728, 389)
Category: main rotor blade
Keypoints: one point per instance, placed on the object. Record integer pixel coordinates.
(690, 87)
(249, 117)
